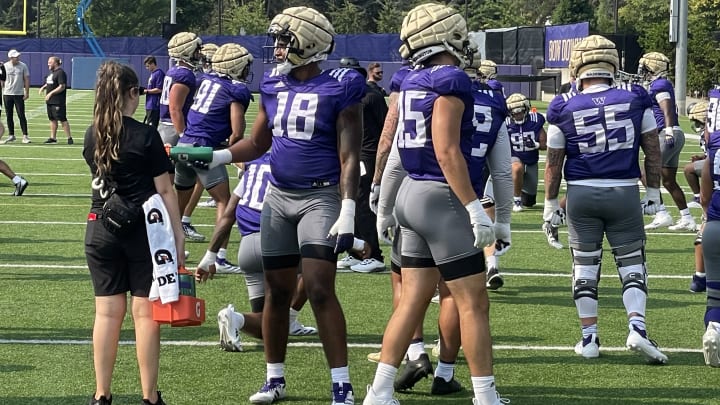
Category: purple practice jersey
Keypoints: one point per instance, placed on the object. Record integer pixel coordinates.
(303, 119)
(496, 86)
(713, 146)
(521, 133)
(602, 131)
(182, 75)
(490, 111)
(398, 77)
(155, 81)
(659, 86)
(418, 93)
(208, 122)
(253, 186)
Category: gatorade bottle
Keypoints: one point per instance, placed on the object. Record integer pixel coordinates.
(191, 154)
(187, 282)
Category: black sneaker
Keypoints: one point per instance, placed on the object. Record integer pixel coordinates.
(20, 187)
(414, 371)
(70, 141)
(50, 140)
(494, 279)
(442, 387)
(159, 401)
(101, 401)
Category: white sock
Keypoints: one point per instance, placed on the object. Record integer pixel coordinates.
(415, 349)
(637, 321)
(186, 220)
(696, 196)
(491, 261)
(16, 179)
(293, 315)
(589, 330)
(517, 199)
(685, 212)
(662, 208)
(222, 253)
(699, 274)
(275, 370)
(382, 385)
(446, 371)
(484, 388)
(340, 375)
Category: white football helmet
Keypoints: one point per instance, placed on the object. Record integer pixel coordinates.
(431, 28)
(518, 107)
(185, 46)
(233, 61)
(594, 57)
(487, 70)
(653, 65)
(306, 35)
(697, 112)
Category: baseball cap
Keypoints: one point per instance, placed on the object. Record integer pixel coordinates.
(13, 53)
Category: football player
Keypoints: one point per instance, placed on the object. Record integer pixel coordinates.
(594, 137)
(710, 199)
(697, 112)
(488, 73)
(436, 126)
(207, 51)
(177, 94)
(312, 119)
(654, 66)
(527, 139)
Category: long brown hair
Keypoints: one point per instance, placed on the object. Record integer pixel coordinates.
(114, 82)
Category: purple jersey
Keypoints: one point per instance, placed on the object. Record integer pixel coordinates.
(208, 122)
(182, 75)
(521, 134)
(658, 86)
(253, 185)
(713, 146)
(496, 86)
(418, 93)
(490, 111)
(303, 119)
(155, 81)
(602, 131)
(398, 77)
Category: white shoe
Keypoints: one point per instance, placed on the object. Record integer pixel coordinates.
(694, 204)
(347, 262)
(498, 400)
(270, 392)
(589, 347)
(371, 399)
(711, 345)
(368, 266)
(684, 224)
(228, 322)
(641, 344)
(209, 203)
(298, 329)
(26, 140)
(374, 357)
(662, 218)
(436, 349)
(223, 266)
(551, 233)
(517, 206)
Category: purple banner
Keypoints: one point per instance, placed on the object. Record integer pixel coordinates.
(559, 41)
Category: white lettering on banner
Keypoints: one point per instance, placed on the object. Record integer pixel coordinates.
(560, 49)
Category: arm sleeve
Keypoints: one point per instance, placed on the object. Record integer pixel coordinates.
(500, 170)
(392, 177)
(556, 138)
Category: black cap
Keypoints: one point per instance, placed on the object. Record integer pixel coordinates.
(352, 63)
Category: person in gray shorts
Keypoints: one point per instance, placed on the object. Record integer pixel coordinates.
(602, 174)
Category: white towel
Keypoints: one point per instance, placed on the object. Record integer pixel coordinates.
(161, 239)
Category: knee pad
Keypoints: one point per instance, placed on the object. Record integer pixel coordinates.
(587, 259)
(630, 261)
(528, 200)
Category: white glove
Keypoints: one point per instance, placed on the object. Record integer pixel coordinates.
(553, 213)
(374, 197)
(481, 224)
(344, 227)
(386, 227)
(502, 238)
(651, 203)
(669, 137)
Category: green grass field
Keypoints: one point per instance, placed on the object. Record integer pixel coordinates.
(46, 310)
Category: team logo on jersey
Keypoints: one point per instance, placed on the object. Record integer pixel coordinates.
(163, 256)
(154, 216)
(599, 100)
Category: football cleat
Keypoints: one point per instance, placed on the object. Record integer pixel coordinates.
(191, 234)
(686, 223)
(223, 266)
(589, 347)
(517, 206)
(209, 203)
(10, 138)
(158, 402)
(711, 345)
(414, 371)
(20, 187)
(374, 357)
(270, 392)
(101, 401)
(695, 203)
(298, 329)
(347, 262)
(494, 279)
(662, 218)
(698, 284)
(368, 266)
(442, 387)
(372, 399)
(230, 338)
(551, 233)
(342, 394)
(638, 341)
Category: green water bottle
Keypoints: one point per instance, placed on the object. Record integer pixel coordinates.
(191, 154)
(187, 282)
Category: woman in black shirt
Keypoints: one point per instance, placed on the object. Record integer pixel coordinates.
(128, 156)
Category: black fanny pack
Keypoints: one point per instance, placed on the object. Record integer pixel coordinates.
(120, 215)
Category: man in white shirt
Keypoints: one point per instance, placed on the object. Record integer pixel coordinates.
(16, 89)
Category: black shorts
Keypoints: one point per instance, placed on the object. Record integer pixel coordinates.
(118, 265)
(56, 112)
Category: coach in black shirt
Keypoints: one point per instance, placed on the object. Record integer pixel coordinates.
(55, 90)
